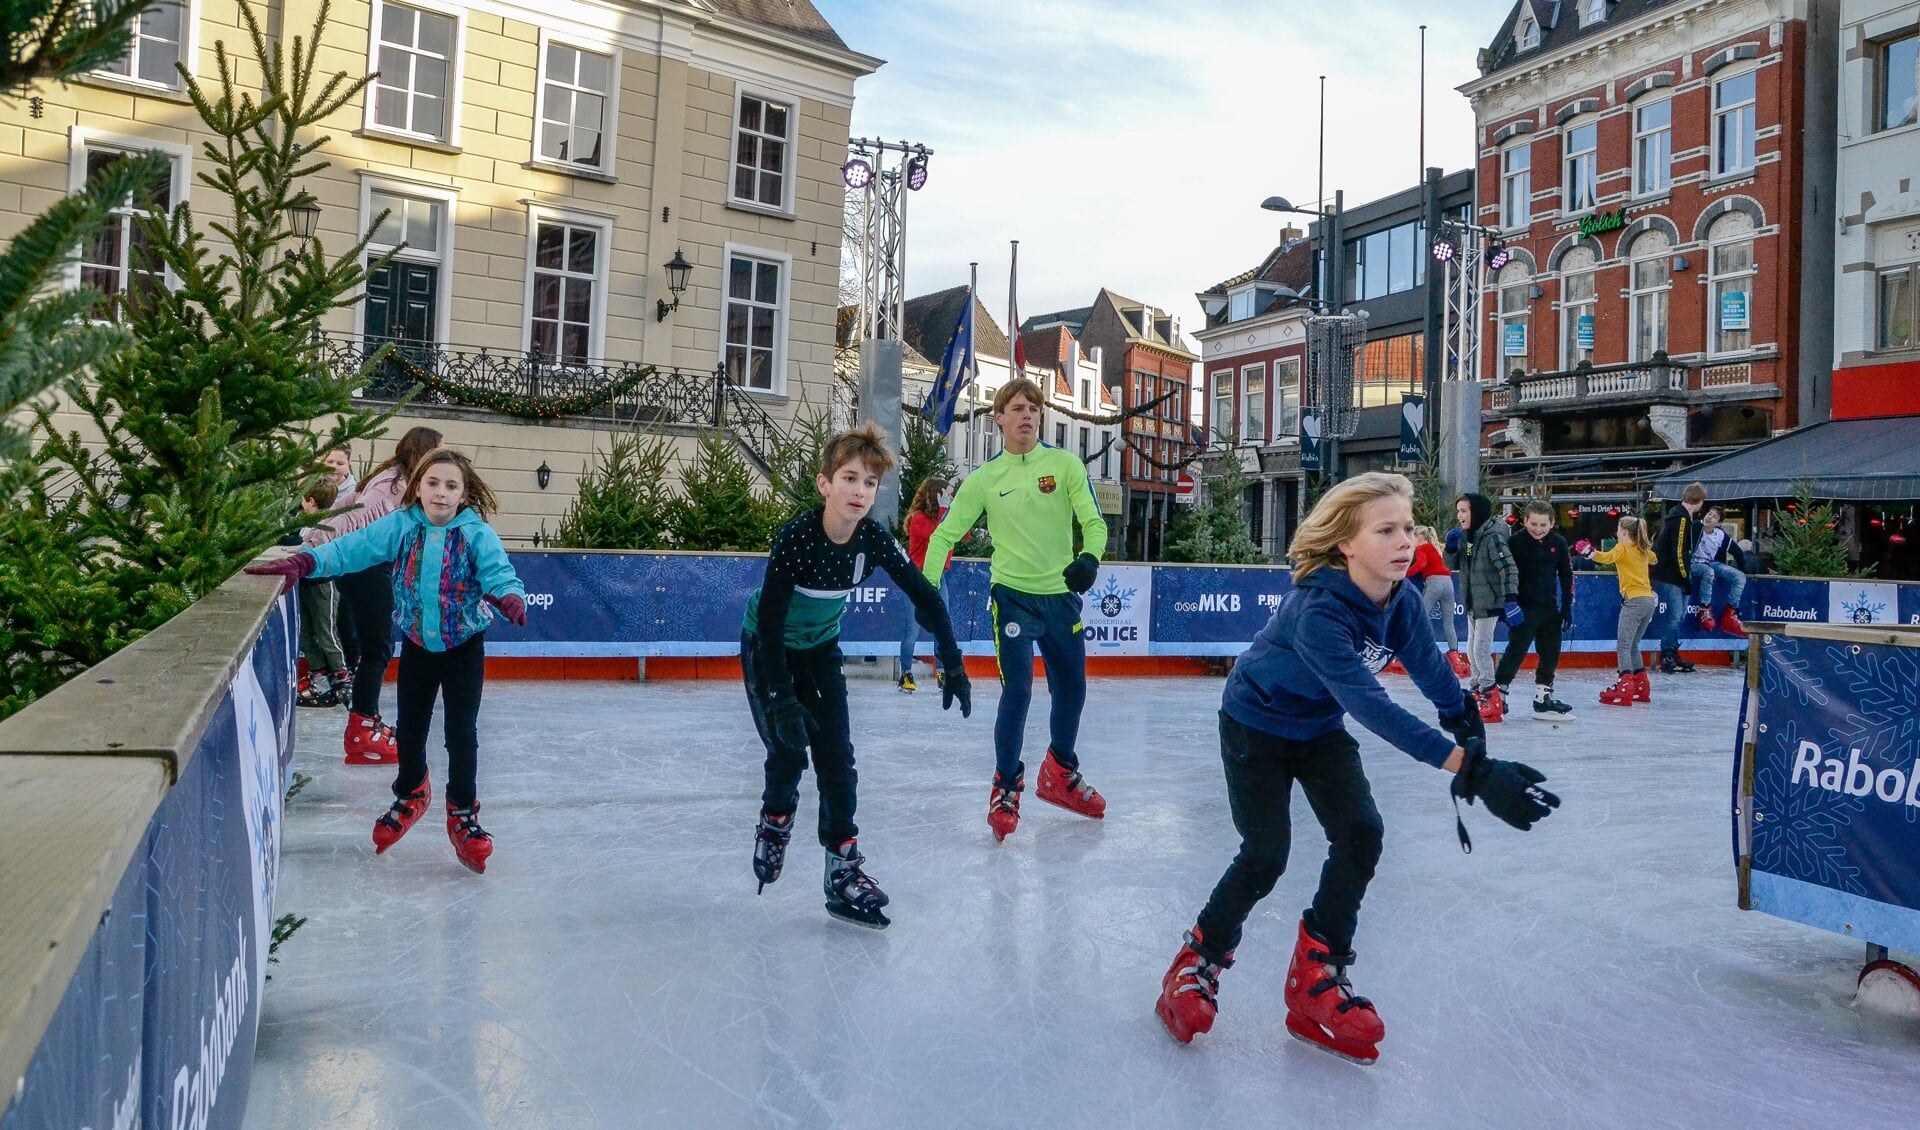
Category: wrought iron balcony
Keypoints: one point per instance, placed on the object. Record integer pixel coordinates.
(1658, 382)
(624, 394)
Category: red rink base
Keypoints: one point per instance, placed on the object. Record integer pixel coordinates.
(628, 668)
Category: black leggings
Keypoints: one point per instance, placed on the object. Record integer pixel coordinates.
(821, 689)
(1541, 629)
(1261, 770)
(369, 594)
(457, 676)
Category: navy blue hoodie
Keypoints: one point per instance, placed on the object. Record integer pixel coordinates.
(1317, 659)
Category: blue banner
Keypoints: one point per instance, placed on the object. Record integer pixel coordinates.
(1835, 811)
(1309, 439)
(1213, 609)
(1413, 428)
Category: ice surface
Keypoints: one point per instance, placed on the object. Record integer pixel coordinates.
(615, 969)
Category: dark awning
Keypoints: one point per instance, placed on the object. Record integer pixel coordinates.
(1844, 460)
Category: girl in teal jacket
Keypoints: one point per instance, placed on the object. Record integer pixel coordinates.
(448, 566)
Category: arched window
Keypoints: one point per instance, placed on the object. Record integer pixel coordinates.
(1529, 32)
(1576, 306)
(1730, 274)
(1513, 280)
(1647, 304)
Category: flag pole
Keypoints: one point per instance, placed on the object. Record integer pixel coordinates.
(1013, 312)
(1423, 103)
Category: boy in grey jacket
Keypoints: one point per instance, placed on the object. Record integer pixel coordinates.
(1477, 550)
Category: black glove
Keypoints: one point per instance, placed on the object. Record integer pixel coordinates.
(1080, 573)
(1466, 725)
(1512, 790)
(1566, 618)
(954, 684)
(788, 721)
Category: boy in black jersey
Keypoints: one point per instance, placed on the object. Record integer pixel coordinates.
(790, 657)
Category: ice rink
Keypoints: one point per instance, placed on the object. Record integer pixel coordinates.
(615, 969)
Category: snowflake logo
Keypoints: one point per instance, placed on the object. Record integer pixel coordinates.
(1114, 600)
(1864, 610)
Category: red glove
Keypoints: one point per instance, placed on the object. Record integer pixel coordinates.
(512, 607)
(293, 568)
(1583, 547)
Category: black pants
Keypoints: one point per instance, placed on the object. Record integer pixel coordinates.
(1261, 770)
(821, 688)
(1541, 629)
(456, 675)
(369, 593)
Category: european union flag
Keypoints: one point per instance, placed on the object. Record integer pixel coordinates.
(956, 372)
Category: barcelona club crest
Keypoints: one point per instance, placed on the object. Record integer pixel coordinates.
(1047, 485)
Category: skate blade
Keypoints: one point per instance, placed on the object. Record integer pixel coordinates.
(1100, 815)
(1553, 717)
(872, 921)
(1312, 1035)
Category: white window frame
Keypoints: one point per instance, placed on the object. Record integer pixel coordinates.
(1573, 162)
(1911, 271)
(1749, 109)
(603, 252)
(80, 138)
(1592, 12)
(448, 199)
(1286, 392)
(1881, 70)
(1660, 295)
(1253, 427)
(610, 124)
(1644, 137)
(1240, 303)
(456, 71)
(783, 319)
(1750, 237)
(189, 53)
(1513, 302)
(789, 172)
(1528, 33)
(1571, 309)
(1508, 179)
(1226, 394)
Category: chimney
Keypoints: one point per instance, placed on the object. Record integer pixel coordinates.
(1291, 234)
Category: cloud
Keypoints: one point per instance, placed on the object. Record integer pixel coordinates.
(1129, 144)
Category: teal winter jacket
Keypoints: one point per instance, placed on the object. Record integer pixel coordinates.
(441, 574)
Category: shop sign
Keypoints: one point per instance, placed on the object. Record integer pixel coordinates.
(1604, 222)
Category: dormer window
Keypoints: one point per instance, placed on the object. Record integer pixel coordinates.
(1529, 33)
(1592, 12)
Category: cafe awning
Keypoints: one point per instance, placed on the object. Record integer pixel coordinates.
(1875, 460)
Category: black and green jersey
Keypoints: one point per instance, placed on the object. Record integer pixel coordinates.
(1030, 502)
(809, 576)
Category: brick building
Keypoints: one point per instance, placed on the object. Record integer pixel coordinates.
(1655, 170)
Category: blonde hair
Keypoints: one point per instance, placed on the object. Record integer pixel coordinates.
(1427, 534)
(1018, 386)
(1637, 529)
(866, 443)
(1336, 518)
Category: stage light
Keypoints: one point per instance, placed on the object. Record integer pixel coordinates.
(917, 172)
(1497, 256)
(857, 173)
(1444, 249)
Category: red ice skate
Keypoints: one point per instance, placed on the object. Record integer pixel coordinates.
(1493, 708)
(406, 811)
(1642, 689)
(1186, 1005)
(1620, 693)
(1395, 667)
(1461, 668)
(1321, 1007)
(470, 842)
(370, 741)
(1730, 624)
(1708, 622)
(1003, 807)
(1068, 789)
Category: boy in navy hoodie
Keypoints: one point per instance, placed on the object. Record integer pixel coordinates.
(1281, 721)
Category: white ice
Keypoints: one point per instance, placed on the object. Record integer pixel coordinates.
(614, 967)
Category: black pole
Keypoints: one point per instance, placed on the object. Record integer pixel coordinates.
(1337, 285)
(1436, 292)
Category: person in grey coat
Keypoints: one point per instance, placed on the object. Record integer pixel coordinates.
(1490, 585)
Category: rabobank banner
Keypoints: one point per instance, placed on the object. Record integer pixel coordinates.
(617, 604)
(1833, 822)
(157, 1026)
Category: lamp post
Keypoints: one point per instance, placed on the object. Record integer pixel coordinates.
(1332, 296)
(677, 271)
(303, 216)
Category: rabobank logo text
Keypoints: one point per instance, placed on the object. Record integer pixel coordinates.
(1777, 612)
(1854, 777)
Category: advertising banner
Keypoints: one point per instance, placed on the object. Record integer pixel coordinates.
(1413, 428)
(1213, 610)
(1733, 310)
(1862, 602)
(1834, 819)
(1513, 335)
(1309, 439)
(1583, 332)
(1116, 614)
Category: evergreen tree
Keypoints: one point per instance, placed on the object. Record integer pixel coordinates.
(624, 501)
(796, 464)
(1431, 506)
(1809, 543)
(1216, 531)
(925, 457)
(212, 419)
(719, 508)
(54, 40)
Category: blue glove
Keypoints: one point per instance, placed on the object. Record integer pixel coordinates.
(1513, 613)
(1453, 539)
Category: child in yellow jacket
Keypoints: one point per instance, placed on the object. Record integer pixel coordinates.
(1631, 557)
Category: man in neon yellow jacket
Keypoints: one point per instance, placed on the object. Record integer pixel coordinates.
(1032, 494)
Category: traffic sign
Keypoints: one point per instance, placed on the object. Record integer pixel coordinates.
(1183, 486)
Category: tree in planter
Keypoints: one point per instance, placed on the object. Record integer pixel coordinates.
(925, 457)
(1809, 543)
(796, 464)
(624, 502)
(210, 417)
(1216, 531)
(719, 509)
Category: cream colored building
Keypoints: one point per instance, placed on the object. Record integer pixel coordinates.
(542, 164)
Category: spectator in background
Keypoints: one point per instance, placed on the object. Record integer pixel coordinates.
(923, 517)
(319, 639)
(1716, 564)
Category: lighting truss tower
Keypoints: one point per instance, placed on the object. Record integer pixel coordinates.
(884, 173)
(1465, 253)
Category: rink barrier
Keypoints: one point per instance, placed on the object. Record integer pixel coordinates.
(686, 607)
(140, 812)
(1826, 783)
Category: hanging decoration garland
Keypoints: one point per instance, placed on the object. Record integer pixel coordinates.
(520, 404)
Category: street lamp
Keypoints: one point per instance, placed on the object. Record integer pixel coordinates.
(677, 271)
(1331, 291)
(1282, 204)
(302, 218)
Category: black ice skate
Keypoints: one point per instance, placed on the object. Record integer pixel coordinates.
(1672, 664)
(1547, 708)
(770, 847)
(851, 895)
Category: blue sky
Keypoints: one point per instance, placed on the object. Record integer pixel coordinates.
(1128, 143)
